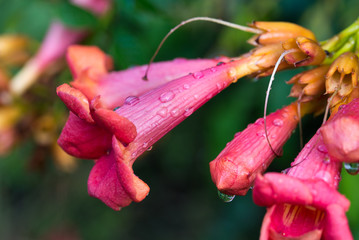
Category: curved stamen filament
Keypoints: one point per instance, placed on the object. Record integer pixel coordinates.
(267, 95)
(207, 19)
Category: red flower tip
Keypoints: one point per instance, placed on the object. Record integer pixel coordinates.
(341, 133)
(112, 179)
(248, 154)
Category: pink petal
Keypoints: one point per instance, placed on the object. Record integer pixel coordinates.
(98, 7)
(336, 224)
(83, 139)
(341, 133)
(121, 127)
(75, 101)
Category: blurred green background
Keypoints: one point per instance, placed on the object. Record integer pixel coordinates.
(45, 202)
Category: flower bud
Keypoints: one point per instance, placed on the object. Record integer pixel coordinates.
(276, 32)
(309, 52)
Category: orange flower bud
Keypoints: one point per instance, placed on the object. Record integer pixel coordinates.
(309, 52)
(309, 84)
(13, 49)
(276, 32)
(343, 74)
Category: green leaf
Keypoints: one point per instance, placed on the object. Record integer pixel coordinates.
(76, 17)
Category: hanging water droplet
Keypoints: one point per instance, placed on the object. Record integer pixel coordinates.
(322, 148)
(278, 122)
(220, 63)
(131, 100)
(285, 171)
(149, 149)
(352, 168)
(198, 75)
(116, 108)
(225, 198)
(167, 96)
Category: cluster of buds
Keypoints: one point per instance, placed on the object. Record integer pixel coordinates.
(116, 116)
(20, 117)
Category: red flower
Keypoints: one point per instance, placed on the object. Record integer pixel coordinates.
(341, 133)
(119, 137)
(304, 204)
(249, 154)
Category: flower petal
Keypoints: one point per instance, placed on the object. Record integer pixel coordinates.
(83, 139)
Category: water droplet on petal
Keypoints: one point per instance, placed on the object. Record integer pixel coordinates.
(232, 74)
(322, 148)
(220, 63)
(261, 133)
(342, 107)
(225, 198)
(195, 96)
(237, 134)
(285, 171)
(131, 100)
(278, 122)
(149, 149)
(213, 70)
(259, 121)
(167, 96)
(162, 112)
(188, 112)
(219, 86)
(175, 113)
(116, 108)
(185, 86)
(352, 168)
(145, 145)
(198, 75)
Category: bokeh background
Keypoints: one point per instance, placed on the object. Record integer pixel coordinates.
(40, 200)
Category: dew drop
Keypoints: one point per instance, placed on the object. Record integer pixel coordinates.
(175, 113)
(149, 149)
(278, 122)
(285, 171)
(162, 112)
(213, 70)
(260, 133)
(237, 134)
(131, 100)
(259, 121)
(116, 108)
(188, 112)
(185, 86)
(219, 86)
(198, 75)
(352, 168)
(167, 96)
(322, 148)
(145, 145)
(195, 96)
(220, 63)
(232, 74)
(225, 198)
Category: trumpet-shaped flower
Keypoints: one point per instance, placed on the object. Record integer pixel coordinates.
(117, 137)
(304, 204)
(249, 153)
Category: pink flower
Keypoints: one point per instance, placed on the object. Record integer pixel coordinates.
(118, 137)
(98, 7)
(249, 154)
(57, 40)
(341, 133)
(304, 204)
